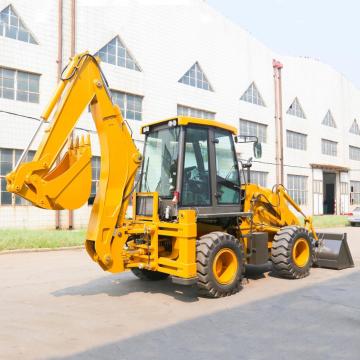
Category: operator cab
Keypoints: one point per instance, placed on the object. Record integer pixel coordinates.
(192, 163)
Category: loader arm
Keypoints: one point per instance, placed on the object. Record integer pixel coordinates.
(66, 184)
(272, 209)
(307, 219)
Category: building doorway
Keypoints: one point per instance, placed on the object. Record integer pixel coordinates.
(329, 181)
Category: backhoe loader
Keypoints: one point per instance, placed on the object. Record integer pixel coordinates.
(192, 217)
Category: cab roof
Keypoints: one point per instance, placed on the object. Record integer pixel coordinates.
(187, 120)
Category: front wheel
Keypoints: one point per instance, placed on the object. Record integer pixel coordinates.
(291, 252)
(220, 264)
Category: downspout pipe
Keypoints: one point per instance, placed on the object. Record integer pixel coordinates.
(59, 70)
(73, 27)
(72, 53)
(279, 153)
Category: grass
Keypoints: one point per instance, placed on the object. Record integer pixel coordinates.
(11, 239)
(330, 221)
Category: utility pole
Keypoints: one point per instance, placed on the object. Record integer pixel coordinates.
(72, 53)
(279, 152)
(59, 71)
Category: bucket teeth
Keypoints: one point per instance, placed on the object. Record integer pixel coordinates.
(87, 139)
(71, 143)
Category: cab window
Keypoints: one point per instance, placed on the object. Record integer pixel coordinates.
(196, 180)
(227, 173)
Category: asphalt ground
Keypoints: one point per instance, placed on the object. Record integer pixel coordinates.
(61, 305)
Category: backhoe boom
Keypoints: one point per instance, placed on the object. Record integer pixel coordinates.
(66, 184)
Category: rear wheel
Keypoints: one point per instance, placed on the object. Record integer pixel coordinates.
(291, 252)
(220, 264)
(145, 274)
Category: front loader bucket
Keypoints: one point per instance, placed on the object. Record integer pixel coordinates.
(333, 251)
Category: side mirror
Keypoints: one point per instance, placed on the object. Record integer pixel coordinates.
(257, 150)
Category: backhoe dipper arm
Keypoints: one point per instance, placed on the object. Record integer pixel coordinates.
(66, 184)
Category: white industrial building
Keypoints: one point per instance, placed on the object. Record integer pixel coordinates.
(162, 60)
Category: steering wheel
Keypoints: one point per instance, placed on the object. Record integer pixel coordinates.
(189, 169)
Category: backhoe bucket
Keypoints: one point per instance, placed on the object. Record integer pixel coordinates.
(333, 251)
(66, 185)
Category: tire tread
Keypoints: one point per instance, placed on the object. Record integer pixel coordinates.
(281, 253)
(204, 248)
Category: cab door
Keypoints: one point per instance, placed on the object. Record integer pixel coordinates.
(225, 179)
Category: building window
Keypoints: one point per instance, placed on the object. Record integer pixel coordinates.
(258, 177)
(116, 53)
(296, 109)
(196, 77)
(6, 165)
(7, 83)
(297, 188)
(251, 128)
(329, 120)
(328, 147)
(95, 176)
(27, 87)
(95, 168)
(194, 112)
(354, 153)
(355, 128)
(8, 160)
(19, 85)
(130, 104)
(355, 192)
(252, 95)
(295, 140)
(12, 27)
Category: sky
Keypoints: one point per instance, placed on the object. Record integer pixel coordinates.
(327, 30)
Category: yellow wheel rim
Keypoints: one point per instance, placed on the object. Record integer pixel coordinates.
(301, 252)
(225, 266)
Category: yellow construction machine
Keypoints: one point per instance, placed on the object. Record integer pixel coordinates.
(192, 217)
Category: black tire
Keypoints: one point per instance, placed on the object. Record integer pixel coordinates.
(207, 248)
(282, 254)
(144, 274)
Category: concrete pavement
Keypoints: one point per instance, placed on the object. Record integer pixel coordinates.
(61, 305)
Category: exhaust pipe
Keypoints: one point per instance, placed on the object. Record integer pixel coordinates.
(332, 251)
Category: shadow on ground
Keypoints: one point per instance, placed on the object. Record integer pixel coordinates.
(130, 284)
(317, 322)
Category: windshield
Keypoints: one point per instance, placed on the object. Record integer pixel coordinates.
(160, 162)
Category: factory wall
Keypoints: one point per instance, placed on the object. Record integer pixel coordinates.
(165, 42)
